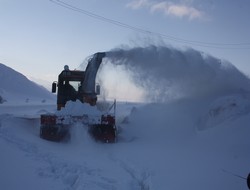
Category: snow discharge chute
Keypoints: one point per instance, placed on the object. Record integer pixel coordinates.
(90, 73)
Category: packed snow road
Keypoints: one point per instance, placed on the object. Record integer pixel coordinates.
(188, 144)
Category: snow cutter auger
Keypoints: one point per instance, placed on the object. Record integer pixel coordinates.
(53, 130)
(75, 85)
(57, 128)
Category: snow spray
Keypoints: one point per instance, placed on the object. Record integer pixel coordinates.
(165, 72)
(239, 176)
(248, 181)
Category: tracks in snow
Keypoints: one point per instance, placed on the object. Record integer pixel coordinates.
(23, 135)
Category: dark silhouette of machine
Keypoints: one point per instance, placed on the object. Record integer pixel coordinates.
(75, 85)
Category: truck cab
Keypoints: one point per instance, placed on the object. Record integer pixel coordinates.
(70, 88)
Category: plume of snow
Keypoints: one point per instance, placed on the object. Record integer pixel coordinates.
(166, 73)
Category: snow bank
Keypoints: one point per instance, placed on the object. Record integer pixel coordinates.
(225, 108)
(180, 120)
(185, 153)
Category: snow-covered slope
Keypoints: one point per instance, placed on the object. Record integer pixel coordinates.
(16, 88)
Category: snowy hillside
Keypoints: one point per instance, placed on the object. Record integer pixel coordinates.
(16, 88)
(195, 134)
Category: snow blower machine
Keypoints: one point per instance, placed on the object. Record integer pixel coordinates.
(79, 86)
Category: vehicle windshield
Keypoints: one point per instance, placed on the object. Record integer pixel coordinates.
(75, 84)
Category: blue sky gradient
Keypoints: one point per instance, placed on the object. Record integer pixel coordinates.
(38, 37)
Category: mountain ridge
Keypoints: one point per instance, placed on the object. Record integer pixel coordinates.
(16, 87)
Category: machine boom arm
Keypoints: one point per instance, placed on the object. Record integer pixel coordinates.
(91, 71)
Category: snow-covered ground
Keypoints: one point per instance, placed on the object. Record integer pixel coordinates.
(185, 144)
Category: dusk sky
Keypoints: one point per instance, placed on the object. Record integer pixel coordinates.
(38, 37)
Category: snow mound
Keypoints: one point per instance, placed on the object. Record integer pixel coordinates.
(77, 108)
(15, 87)
(225, 108)
(83, 113)
(182, 119)
(161, 121)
